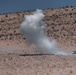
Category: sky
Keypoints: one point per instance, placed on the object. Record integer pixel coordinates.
(7, 6)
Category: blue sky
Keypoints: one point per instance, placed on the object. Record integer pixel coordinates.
(7, 6)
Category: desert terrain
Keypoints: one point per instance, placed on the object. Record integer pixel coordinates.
(18, 57)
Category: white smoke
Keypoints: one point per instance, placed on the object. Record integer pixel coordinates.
(33, 27)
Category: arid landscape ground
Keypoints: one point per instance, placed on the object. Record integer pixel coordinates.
(18, 57)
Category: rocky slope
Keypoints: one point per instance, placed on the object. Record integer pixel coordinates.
(61, 25)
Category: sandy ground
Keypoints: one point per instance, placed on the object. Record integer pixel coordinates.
(18, 57)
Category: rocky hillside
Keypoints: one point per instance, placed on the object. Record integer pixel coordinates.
(61, 25)
(20, 58)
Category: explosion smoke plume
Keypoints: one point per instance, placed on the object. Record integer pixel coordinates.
(33, 27)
